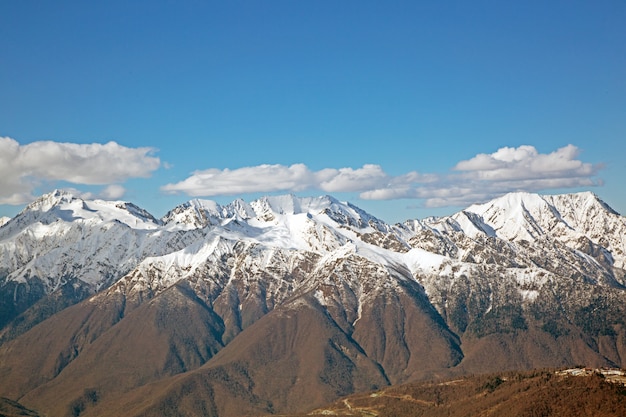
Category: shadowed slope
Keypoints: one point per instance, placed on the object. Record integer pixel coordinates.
(293, 357)
(9, 408)
(169, 334)
(42, 353)
(403, 333)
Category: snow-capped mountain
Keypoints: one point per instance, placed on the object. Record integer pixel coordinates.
(60, 237)
(578, 220)
(541, 276)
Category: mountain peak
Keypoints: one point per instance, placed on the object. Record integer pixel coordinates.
(511, 202)
(196, 213)
(521, 205)
(50, 200)
(585, 200)
(520, 199)
(570, 218)
(65, 206)
(291, 204)
(542, 276)
(282, 204)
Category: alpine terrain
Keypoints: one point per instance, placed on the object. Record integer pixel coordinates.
(285, 304)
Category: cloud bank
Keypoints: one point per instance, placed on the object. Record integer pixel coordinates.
(512, 169)
(24, 167)
(297, 177)
(477, 179)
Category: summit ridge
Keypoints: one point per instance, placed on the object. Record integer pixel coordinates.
(336, 299)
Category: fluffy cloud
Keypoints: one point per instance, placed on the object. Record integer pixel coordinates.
(262, 178)
(484, 176)
(477, 179)
(349, 180)
(269, 178)
(512, 169)
(526, 163)
(23, 167)
(111, 192)
(297, 177)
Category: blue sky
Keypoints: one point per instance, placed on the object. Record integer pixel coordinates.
(406, 109)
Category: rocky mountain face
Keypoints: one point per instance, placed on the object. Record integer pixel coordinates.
(284, 303)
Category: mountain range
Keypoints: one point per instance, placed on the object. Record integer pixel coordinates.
(284, 304)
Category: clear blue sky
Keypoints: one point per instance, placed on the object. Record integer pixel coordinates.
(406, 109)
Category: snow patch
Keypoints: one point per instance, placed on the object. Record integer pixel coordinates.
(529, 295)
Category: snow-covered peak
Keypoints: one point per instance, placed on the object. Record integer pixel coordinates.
(4, 220)
(580, 207)
(349, 215)
(201, 213)
(194, 213)
(416, 225)
(284, 204)
(517, 202)
(573, 219)
(96, 241)
(121, 211)
(51, 200)
(316, 224)
(514, 216)
(290, 204)
(64, 206)
(509, 202)
(526, 216)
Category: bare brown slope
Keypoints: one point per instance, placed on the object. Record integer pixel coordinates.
(536, 393)
(10, 408)
(171, 333)
(529, 349)
(406, 335)
(294, 357)
(299, 355)
(40, 354)
(303, 354)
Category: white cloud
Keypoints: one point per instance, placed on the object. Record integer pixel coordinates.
(110, 192)
(23, 167)
(474, 180)
(113, 192)
(297, 177)
(512, 169)
(349, 180)
(488, 175)
(262, 178)
(525, 163)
